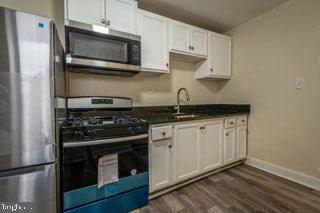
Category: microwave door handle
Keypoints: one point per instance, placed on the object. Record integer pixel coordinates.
(104, 141)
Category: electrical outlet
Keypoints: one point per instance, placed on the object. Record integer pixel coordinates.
(299, 84)
(150, 90)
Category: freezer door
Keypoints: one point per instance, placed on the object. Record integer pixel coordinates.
(26, 90)
(33, 184)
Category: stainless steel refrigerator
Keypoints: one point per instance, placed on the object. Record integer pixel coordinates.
(32, 107)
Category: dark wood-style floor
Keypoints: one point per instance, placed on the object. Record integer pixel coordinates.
(239, 189)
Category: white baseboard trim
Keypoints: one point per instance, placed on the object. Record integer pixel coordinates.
(289, 174)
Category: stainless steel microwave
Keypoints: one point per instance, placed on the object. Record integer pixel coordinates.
(95, 49)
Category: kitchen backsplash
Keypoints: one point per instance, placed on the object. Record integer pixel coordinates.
(147, 90)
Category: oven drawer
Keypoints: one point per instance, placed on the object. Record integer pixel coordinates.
(160, 133)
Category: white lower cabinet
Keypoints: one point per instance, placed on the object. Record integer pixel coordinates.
(186, 142)
(230, 146)
(242, 142)
(160, 161)
(211, 146)
(186, 150)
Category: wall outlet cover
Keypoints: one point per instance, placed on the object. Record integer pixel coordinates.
(299, 84)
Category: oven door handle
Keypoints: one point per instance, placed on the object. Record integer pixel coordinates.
(104, 141)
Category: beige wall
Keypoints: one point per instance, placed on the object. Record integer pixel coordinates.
(270, 53)
(165, 87)
(49, 8)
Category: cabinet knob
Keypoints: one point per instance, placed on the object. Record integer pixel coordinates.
(167, 64)
(108, 22)
(227, 134)
(170, 146)
(190, 48)
(103, 21)
(164, 133)
(211, 70)
(231, 123)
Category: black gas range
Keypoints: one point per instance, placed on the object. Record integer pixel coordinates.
(81, 129)
(100, 127)
(97, 118)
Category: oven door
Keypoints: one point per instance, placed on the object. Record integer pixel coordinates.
(103, 53)
(80, 172)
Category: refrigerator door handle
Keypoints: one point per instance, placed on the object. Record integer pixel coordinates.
(21, 171)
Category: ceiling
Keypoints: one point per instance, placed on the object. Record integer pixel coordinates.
(216, 15)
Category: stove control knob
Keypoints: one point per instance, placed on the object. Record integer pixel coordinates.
(78, 134)
(91, 133)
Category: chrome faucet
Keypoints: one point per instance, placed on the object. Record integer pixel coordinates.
(177, 107)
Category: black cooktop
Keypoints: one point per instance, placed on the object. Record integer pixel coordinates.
(96, 128)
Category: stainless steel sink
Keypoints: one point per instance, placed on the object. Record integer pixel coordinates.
(186, 116)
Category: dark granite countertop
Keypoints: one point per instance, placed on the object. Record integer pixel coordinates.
(164, 114)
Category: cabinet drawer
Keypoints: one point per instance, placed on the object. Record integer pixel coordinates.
(230, 122)
(160, 133)
(242, 120)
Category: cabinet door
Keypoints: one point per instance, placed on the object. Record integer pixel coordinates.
(160, 164)
(242, 142)
(186, 151)
(230, 145)
(121, 15)
(86, 11)
(199, 42)
(180, 37)
(154, 41)
(220, 49)
(211, 145)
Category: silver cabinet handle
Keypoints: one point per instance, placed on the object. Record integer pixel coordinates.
(104, 141)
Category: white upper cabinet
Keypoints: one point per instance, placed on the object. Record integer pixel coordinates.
(188, 40)
(115, 14)
(121, 15)
(218, 64)
(154, 42)
(86, 11)
(199, 42)
(180, 37)
(220, 55)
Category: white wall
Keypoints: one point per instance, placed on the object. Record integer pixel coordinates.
(49, 8)
(165, 87)
(270, 53)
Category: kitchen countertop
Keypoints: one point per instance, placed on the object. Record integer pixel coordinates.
(164, 114)
(169, 118)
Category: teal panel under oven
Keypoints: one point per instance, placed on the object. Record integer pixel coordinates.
(91, 194)
(117, 204)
